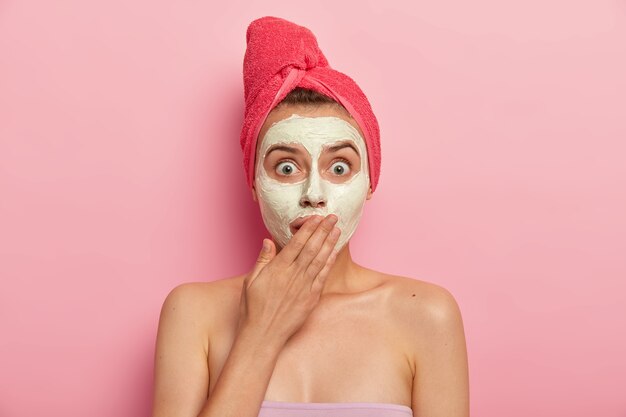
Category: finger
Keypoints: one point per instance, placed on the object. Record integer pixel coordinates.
(321, 259)
(315, 242)
(320, 279)
(298, 241)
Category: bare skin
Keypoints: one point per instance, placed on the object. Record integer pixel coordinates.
(369, 337)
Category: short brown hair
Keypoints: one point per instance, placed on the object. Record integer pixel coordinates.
(301, 95)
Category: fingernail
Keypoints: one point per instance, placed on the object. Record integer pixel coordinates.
(266, 245)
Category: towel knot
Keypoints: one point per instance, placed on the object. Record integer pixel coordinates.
(310, 61)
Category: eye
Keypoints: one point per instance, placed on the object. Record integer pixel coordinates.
(341, 167)
(286, 168)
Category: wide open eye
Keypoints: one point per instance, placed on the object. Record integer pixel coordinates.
(341, 167)
(286, 168)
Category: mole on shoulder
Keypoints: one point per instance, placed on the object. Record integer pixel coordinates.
(413, 295)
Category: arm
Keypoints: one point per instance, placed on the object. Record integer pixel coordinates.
(239, 392)
(441, 381)
(181, 378)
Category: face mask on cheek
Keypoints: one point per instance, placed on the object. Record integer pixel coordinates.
(281, 203)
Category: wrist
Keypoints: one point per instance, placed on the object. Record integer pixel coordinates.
(260, 339)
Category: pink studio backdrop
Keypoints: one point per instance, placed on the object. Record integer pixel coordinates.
(503, 180)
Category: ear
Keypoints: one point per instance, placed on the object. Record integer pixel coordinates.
(254, 196)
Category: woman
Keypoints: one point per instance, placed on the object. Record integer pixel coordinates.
(308, 332)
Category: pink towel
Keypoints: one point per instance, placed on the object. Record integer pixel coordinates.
(293, 409)
(281, 56)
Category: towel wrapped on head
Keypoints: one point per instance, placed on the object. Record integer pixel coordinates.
(280, 56)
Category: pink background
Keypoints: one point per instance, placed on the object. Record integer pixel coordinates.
(503, 180)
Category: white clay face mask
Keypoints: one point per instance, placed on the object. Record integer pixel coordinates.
(281, 202)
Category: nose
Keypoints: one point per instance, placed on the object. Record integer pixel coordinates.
(314, 194)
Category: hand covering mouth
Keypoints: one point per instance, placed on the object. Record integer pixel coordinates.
(295, 225)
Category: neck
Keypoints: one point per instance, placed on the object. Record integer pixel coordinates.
(342, 276)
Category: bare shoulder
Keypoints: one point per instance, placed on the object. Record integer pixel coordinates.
(415, 294)
(181, 375)
(428, 328)
(199, 303)
(200, 295)
(420, 307)
(429, 319)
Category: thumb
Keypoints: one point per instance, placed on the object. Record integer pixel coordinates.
(268, 252)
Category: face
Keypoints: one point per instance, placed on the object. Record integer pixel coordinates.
(312, 160)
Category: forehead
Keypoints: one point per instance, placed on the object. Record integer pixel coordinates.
(314, 133)
(309, 111)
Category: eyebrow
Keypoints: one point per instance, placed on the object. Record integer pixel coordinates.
(292, 150)
(282, 148)
(342, 145)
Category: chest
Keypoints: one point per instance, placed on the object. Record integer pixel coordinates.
(341, 355)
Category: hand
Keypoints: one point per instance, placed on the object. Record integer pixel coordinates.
(281, 290)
